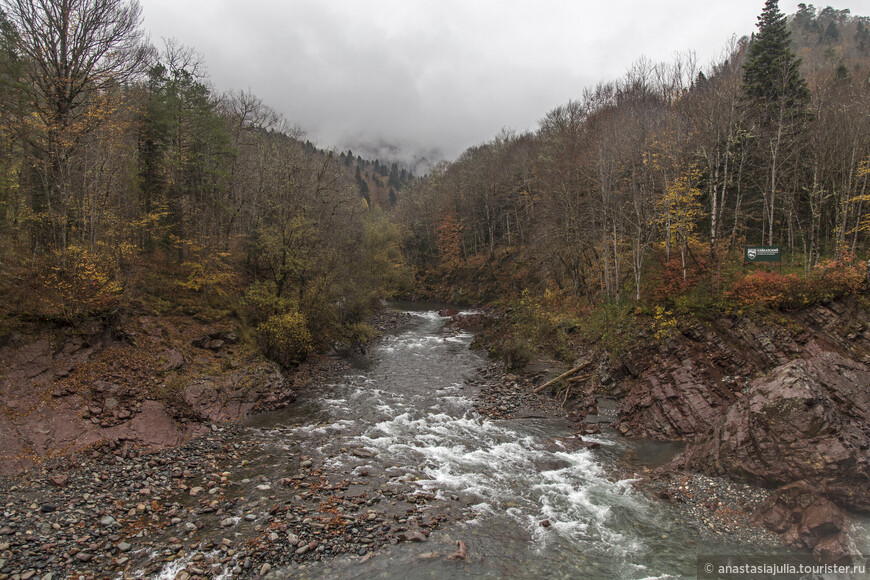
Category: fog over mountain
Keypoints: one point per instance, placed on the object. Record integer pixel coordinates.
(435, 76)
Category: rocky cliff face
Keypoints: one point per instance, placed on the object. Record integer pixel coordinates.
(783, 402)
(144, 380)
(808, 420)
(680, 389)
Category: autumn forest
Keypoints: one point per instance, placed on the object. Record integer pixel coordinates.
(128, 182)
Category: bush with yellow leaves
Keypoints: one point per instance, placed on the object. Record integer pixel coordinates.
(285, 338)
(81, 281)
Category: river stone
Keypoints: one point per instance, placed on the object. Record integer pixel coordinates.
(292, 538)
(124, 547)
(108, 521)
(361, 452)
(264, 569)
(60, 480)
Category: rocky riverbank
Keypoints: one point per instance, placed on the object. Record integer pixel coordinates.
(198, 509)
(200, 506)
(763, 401)
(203, 506)
(138, 380)
(775, 400)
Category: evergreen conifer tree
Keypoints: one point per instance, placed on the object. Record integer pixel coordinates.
(771, 76)
(778, 99)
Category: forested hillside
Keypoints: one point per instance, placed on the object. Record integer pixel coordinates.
(648, 187)
(127, 181)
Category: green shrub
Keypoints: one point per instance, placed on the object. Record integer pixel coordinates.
(614, 326)
(261, 302)
(285, 338)
(516, 352)
(360, 333)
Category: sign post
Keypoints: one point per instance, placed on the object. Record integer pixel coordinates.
(754, 254)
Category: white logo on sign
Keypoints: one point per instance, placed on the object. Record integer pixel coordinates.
(750, 254)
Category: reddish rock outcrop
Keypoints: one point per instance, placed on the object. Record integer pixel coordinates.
(808, 420)
(259, 387)
(680, 388)
(805, 519)
(63, 389)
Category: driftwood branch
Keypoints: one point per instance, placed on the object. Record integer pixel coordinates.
(562, 376)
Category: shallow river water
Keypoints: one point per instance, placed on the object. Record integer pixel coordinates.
(407, 401)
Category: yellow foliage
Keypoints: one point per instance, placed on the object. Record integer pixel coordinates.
(285, 338)
(84, 281)
(863, 201)
(211, 276)
(679, 209)
(664, 323)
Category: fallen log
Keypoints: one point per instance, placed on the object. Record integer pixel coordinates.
(562, 376)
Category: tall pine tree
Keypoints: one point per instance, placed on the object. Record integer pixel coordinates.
(777, 98)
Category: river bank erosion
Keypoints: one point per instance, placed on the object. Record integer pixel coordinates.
(419, 458)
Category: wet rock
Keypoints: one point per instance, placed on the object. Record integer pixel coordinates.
(461, 552)
(363, 452)
(804, 519)
(412, 536)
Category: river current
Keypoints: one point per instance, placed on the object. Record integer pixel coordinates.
(524, 509)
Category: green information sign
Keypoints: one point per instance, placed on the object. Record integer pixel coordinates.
(763, 254)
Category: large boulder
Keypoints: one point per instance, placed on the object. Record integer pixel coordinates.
(807, 420)
(805, 519)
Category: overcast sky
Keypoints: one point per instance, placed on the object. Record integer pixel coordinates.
(445, 74)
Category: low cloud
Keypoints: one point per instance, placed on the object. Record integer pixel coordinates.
(438, 76)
